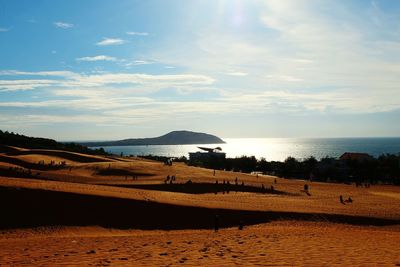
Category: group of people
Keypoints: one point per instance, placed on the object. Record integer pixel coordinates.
(170, 179)
(366, 185)
(264, 189)
(134, 177)
(226, 186)
(168, 162)
(344, 201)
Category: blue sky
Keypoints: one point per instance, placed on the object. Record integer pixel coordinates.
(95, 70)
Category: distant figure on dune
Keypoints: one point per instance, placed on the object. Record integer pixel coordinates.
(306, 187)
(262, 188)
(241, 225)
(236, 181)
(216, 223)
(275, 181)
(350, 200)
(341, 199)
(223, 187)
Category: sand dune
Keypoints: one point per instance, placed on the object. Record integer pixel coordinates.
(131, 193)
(274, 244)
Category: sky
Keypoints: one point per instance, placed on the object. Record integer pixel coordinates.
(105, 70)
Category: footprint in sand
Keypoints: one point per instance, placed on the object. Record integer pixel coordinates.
(183, 260)
(91, 252)
(163, 254)
(203, 249)
(169, 242)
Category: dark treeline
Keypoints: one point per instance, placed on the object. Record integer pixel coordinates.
(18, 140)
(385, 168)
(164, 159)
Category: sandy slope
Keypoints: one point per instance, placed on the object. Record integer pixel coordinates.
(86, 191)
(275, 244)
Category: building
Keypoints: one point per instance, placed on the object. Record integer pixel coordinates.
(207, 156)
(355, 156)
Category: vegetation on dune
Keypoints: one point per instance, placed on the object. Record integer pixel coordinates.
(385, 169)
(18, 140)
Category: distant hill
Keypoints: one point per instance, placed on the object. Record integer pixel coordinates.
(172, 138)
(19, 140)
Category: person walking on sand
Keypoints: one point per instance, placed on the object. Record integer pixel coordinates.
(241, 225)
(216, 223)
(341, 199)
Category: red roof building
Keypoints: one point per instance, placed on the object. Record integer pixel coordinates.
(355, 156)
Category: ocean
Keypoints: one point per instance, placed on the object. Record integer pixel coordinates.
(274, 149)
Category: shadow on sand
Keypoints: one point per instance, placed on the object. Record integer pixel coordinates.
(33, 208)
(203, 188)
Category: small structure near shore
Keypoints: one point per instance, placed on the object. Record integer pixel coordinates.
(206, 156)
(355, 156)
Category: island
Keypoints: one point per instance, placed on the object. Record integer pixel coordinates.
(172, 138)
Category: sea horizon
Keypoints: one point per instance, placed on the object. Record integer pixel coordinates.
(274, 149)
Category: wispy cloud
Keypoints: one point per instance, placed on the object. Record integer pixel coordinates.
(111, 41)
(236, 73)
(4, 29)
(138, 33)
(283, 78)
(63, 25)
(97, 58)
(138, 62)
(70, 80)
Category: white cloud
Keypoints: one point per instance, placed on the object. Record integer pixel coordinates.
(283, 78)
(16, 85)
(70, 79)
(97, 58)
(237, 73)
(138, 33)
(63, 25)
(4, 29)
(111, 41)
(138, 62)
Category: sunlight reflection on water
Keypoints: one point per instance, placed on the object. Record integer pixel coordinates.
(274, 148)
